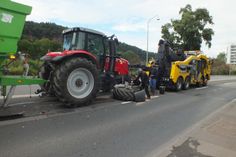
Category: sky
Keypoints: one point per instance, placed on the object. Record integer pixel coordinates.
(128, 19)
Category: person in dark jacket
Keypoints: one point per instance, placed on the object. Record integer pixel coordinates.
(153, 78)
(144, 81)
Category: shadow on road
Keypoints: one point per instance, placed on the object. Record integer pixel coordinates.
(187, 149)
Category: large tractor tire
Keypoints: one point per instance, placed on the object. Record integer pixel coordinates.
(75, 82)
(123, 93)
(129, 93)
(140, 96)
(45, 73)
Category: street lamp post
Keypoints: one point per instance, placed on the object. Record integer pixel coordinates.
(149, 20)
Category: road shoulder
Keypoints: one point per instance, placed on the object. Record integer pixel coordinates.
(215, 136)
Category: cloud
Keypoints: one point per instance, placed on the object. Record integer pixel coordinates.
(72, 11)
(130, 26)
(128, 18)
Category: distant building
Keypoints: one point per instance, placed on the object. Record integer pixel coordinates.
(231, 54)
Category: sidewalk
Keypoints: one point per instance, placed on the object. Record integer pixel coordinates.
(213, 137)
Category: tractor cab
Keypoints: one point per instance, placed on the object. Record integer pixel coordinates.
(84, 39)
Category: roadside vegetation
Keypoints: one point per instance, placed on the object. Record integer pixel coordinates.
(219, 66)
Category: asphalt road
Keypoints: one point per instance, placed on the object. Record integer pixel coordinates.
(114, 128)
(26, 91)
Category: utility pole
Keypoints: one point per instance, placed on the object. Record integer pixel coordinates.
(148, 22)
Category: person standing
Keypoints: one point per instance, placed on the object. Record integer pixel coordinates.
(144, 81)
(26, 64)
(153, 78)
(24, 58)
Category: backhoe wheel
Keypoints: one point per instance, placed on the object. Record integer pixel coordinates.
(178, 85)
(186, 84)
(201, 82)
(75, 82)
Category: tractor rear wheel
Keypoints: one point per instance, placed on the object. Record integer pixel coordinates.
(75, 82)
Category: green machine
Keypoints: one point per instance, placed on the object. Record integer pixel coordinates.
(12, 20)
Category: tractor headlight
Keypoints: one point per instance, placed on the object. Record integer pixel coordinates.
(12, 57)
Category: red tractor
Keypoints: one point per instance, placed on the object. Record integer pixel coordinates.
(88, 64)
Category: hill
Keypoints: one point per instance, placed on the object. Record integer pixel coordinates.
(39, 38)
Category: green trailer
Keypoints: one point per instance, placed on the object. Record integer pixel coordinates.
(12, 20)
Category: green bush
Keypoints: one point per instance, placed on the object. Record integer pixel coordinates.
(233, 72)
(219, 67)
(16, 68)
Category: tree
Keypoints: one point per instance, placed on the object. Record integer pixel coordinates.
(219, 66)
(188, 32)
(41, 30)
(132, 57)
(221, 57)
(25, 46)
(41, 47)
(123, 47)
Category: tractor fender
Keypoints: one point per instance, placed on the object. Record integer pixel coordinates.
(59, 56)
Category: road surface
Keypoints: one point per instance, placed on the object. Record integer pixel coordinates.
(26, 91)
(114, 128)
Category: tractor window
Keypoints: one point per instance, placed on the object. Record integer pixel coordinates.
(81, 41)
(67, 42)
(95, 44)
(74, 41)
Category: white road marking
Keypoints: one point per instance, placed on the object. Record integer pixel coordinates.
(201, 88)
(126, 102)
(141, 103)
